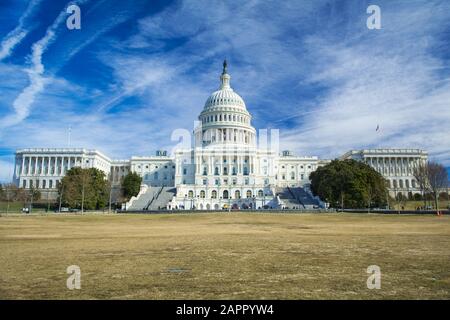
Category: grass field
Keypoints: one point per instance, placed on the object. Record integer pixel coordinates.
(225, 256)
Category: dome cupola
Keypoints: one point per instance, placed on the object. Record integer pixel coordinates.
(225, 96)
(225, 119)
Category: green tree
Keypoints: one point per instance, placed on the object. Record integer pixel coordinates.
(131, 184)
(35, 194)
(13, 193)
(349, 184)
(84, 189)
(2, 193)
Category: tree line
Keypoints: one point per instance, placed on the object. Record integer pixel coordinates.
(11, 192)
(89, 189)
(354, 184)
(84, 189)
(349, 184)
(432, 180)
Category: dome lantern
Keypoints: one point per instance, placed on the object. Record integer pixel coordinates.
(225, 119)
(225, 95)
(225, 77)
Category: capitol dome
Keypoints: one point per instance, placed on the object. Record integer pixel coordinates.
(225, 96)
(225, 119)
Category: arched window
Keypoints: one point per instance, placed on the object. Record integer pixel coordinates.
(237, 194)
(155, 175)
(225, 170)
(245, 171)
(225, 194)
(202, 194)
(234, 171)
(220, 118)
(205, 171)
(214, 194)
(249, 193)
(260, 193)
(191, 194)
(216, 171)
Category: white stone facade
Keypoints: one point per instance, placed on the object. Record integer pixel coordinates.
(228, 164)
(396, 165)
(43, 168)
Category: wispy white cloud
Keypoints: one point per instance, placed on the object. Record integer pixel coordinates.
(311, 69)
(35, 72)
(390, 78)
(14, 37)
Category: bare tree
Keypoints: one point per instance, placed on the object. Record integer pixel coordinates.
(421, 176)
(437, 180)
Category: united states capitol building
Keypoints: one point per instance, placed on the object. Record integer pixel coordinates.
(228, 166)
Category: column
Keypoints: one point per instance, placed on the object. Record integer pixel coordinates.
(22, 170)
(35, 170)
(253, 164)
(60, 163)
(238, 164)
(401, 168)
(210, 165)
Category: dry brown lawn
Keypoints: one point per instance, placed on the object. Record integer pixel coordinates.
(225, 256)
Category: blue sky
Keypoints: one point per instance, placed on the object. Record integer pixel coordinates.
(137, 70)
